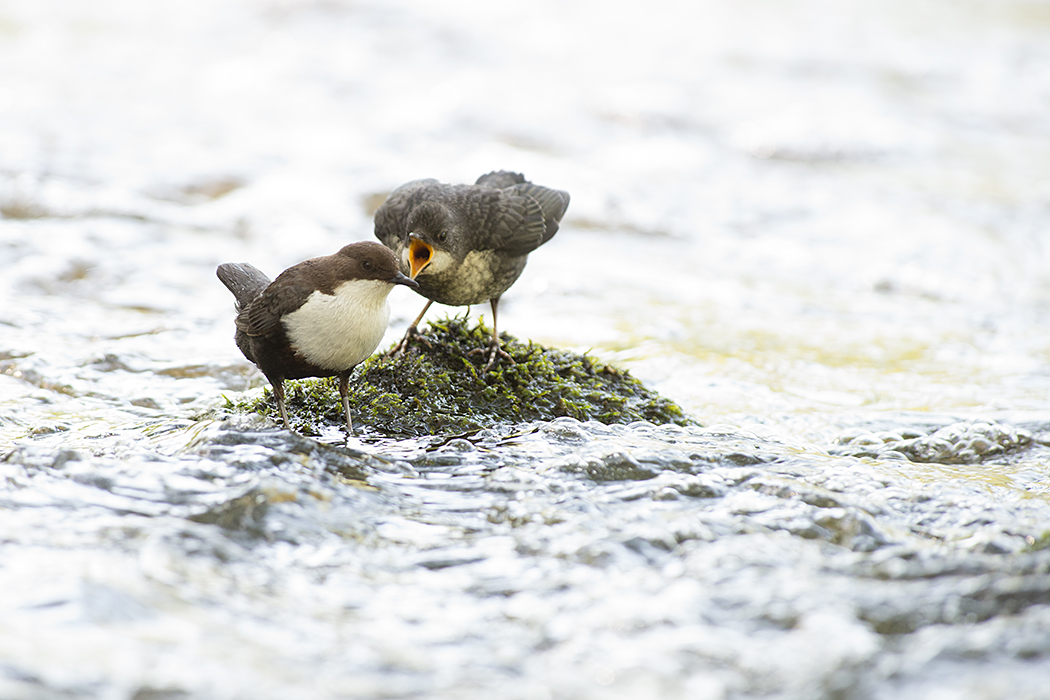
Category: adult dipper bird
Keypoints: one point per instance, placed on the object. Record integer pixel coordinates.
(319, 318)
(466, 244)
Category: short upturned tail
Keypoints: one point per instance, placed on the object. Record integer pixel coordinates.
(244, 280)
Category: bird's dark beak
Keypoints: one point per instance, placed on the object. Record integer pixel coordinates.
(419, 254)
(400, 278)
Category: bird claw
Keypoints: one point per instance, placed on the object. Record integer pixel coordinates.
(402, 345)
(494, 350)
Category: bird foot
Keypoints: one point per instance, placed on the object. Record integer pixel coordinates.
(402, 345)
(494, 350)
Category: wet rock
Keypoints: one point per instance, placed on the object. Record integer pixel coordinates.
(438, 387)
(618, 466)
(245, 514)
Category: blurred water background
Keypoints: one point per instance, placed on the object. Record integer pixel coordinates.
(823, 228)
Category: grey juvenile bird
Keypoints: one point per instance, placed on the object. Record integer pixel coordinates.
(319, 318)
(466, 244)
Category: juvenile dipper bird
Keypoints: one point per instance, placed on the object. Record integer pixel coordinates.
(466, 244)
(319, 318)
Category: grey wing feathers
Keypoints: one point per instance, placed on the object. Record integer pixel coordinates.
(520, 227)
(541, 209)
(553, 204)
(532, 214)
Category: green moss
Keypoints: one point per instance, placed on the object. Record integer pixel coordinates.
(436, 387)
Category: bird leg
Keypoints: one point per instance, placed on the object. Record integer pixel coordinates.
(494, 350)
(278, 393)
(409, 334)
(344, 394)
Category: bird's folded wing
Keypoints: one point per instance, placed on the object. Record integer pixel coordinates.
(263, 316)
(530, 215)
(552, 202)
(513, 226)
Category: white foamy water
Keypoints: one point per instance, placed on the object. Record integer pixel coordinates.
(819, 227)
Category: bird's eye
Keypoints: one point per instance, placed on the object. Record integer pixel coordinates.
(367, 264)
(443, 236)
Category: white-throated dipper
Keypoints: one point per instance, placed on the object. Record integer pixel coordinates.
(319, 318)
(466, 244)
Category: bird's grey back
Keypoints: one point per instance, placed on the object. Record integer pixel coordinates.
(391, 219)
(500, 179)
(245, 281)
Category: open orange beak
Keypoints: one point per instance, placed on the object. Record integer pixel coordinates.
(420, 254)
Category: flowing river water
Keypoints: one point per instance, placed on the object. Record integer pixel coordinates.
(822, 228)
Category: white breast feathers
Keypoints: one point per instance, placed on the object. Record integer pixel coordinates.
(338, 331)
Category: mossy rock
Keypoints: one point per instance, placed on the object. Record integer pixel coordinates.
(437, 388)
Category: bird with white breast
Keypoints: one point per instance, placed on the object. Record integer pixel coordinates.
(320, 318)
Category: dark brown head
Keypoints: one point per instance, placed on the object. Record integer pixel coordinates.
(367, 260)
